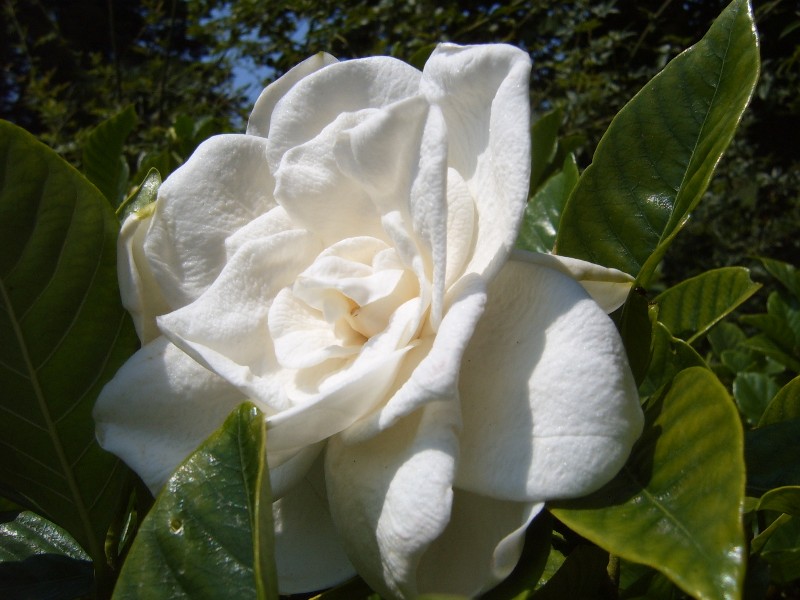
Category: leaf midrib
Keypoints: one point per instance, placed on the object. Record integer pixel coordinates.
(50, 427)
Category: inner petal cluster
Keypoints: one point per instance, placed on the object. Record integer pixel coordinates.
(355, 291)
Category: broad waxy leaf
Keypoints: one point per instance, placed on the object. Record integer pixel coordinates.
(40, 560)
(669, 356)
(785, 405)
(543, 211)
(676, 505)
(209, 533)
(655, 161)
(64, 335)
(544, 144)
(784, 499)
(692, 307)
(753, 392)
(787, 274)
(103, 162)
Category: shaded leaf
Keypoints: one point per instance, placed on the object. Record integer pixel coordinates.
(692, 307)
(771, 455)
(544, 143)
(103, 162)
(209, 533)
(783, 499)
(64, 334)
(657, 157)
(753, 392)
(583, 575)
(40, 560)
(543, 211)
(782, 552)
(785, 405)
(676, 504)
(785, 273)
(669, 356)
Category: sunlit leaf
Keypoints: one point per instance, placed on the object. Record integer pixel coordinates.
(209, 533)
(657, 157)
(692, 307)
(103, 162)
(40, 560)
(64, 335)
(676, 504)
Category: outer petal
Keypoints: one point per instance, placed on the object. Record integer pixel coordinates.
(483, 92)
(550, 407)
(608, 287)
(308, 551)
(223, 186)
(479, 548)
(390, 497)
(259, 121)
(141, 295)
(158, 408)
(345, 87)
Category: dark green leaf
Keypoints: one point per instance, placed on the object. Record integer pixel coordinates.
(753, 392)
(771, 455)
(676, 504)
(64, 335)
(636, 328)
(209, 533)
(692, 307)
(764, 344)
(539, 226)
(40, 560)
(785, 273)
(657, 157)
(782, 552)
(103, 162)
(583, 575)
(669, 356)
(544, 143)
(785, 405)
(784, 499)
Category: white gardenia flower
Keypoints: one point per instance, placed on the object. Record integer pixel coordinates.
(347, 266)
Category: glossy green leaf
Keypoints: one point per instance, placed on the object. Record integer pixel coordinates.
(692, 307)
(766, 345)
(40, 560)
(64, 335)
(753, 392)
(782, 552)
(544, 144)
(771, 455)
(784, 499)
(543, 211)
(635, 323)
(103, 162)
(676, 504)
(785, 405)
(144, 194)
(209, 533)
(657, 157)
(787, 274)
(669, 356)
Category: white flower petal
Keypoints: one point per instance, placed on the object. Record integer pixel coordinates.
(550, 407)
(226, 328)
(608, 287)
(399, 156)
(158, 408)
(308, 552)
(479, 548)
(390, 496)
(432, 369)
(222, 187)
(141, 295)
(310, 186)
(484, 96)
(346, 87)
(259, 121)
